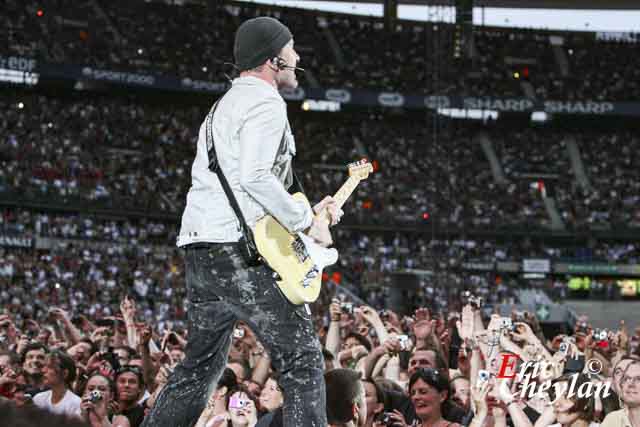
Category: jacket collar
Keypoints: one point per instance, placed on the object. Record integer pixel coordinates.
(252, 81)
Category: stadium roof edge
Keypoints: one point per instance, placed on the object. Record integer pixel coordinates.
(534, 4)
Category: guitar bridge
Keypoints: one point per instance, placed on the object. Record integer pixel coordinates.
(312, 274)
(300, 249)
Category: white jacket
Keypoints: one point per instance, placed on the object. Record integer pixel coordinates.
(248, 126)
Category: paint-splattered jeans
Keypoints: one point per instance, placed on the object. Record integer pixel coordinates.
(222, 290)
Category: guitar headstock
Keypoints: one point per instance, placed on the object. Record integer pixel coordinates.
(360, 169)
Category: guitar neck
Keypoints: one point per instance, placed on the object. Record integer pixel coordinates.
(345, 191)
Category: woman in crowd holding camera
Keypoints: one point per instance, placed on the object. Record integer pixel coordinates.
(242, 408)
(97, 401)
(429, 393)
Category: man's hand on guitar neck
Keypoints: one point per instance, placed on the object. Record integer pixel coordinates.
(329, 206)
(325, 211)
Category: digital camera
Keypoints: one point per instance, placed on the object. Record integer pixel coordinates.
(474, 301)
(484, 375)
(507, 324)
(346, 307)
(95, 396)
(600, 335)
(385, 418)
(564, 347)
(238, 403)
(404, 342)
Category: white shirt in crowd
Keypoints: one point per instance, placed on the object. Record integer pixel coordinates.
(69, 405)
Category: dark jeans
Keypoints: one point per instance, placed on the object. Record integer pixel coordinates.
(222, 290)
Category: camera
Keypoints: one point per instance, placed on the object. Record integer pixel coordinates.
(600, 335)
(564, 347)
(173, 340)
(484, 375)
(384, 418)
(346, 307)
(519, 316)
(95, 396)
(238, 333)
(474, 301)
(404, 342)
(582, 328)
(506, 323)
(238, 403)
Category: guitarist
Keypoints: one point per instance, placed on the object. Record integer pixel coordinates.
(254, 147)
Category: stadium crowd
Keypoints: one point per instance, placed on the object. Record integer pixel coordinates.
(381, 368)
(89, 263)
(341, 51)
(102, 160)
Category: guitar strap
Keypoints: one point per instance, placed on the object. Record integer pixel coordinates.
(247, 243)
(297, 184)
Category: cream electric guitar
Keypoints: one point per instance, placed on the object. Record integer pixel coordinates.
(296, 258)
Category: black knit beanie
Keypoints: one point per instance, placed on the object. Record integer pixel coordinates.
(259, 39)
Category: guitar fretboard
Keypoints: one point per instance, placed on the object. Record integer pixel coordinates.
(345, 191)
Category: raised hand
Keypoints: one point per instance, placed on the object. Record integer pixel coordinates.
(621, 338)
(424, 325)
(128, 309)
(465, 326)
(504, 393)
(370, 315)
(59, 314)
(144, 334)
(8, 377)
(479, 393)
(524, 333)
(334, 310)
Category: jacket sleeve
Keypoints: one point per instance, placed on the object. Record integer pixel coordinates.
(260, 137)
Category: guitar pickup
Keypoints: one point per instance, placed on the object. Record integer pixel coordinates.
(300, 249)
